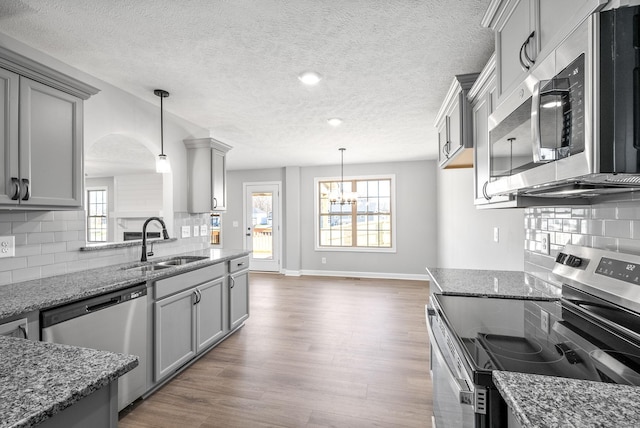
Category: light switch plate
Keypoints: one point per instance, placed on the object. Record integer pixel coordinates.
(496, 234)
(196, 230)
(235, 223)
(203, 230)
(186, 231)
(7, 246)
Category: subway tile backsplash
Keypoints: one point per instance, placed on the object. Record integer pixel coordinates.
(48, 244)
(614, 225)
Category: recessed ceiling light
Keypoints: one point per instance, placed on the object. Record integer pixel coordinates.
(310, 78)
(334, 121)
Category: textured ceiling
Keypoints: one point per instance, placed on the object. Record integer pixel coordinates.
(231, 66)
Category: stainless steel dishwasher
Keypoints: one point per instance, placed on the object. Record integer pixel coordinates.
(115, 322)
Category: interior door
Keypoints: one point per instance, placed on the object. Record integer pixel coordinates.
(262, 225)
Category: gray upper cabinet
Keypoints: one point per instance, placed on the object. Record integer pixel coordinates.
(453, 123)
(526, 31)
(207, 175)
(50, 146)
(483, 98)
(41, 135)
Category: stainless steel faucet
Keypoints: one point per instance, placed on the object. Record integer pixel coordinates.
(165, 235)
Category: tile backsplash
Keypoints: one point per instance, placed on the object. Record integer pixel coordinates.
(613, 224)
(48, 243)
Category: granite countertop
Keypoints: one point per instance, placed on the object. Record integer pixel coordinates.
(24, 297)
(479, 282)
(545, 401)
(38, 380)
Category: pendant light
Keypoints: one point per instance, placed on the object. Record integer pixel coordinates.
(341, 198)
(162, 162)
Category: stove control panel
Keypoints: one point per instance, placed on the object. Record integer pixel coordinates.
(569, 260)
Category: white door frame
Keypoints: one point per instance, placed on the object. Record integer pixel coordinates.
(276, 222)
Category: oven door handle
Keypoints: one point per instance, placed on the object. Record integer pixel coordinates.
(459, 386)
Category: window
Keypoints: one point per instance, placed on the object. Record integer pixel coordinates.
(364, 226)
(97, 215)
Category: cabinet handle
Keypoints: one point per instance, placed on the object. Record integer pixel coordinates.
(197, 296)
(527, 62)
(215, 203)
(16, 189)
(240, 264)
(446, 148)
(484, 191)
(27, 189)
(526, 56)
(233, 282)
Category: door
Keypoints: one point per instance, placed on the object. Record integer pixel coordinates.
(262, 225)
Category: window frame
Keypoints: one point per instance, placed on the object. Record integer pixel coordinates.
(88, 216)
(354, 249)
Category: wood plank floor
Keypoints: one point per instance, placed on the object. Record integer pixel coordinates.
(315, 352)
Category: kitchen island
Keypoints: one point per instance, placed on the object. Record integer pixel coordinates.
(42, 383)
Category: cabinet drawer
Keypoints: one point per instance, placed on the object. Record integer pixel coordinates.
(174, 284)
(238, 264)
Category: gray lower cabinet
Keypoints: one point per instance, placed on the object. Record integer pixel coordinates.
(238, 291)
(188, 317)
(174, 336)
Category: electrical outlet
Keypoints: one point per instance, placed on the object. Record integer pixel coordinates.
(203, 230)
(496, 234)
(324, 260)
(186, 231)
(7, 246)
(235, 223)
(196, 230)
(544, 243)
(544, 321)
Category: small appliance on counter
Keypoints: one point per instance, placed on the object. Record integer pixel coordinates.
(591, 333)
(216, 229)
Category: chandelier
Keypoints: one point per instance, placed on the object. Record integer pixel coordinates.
(342, 197)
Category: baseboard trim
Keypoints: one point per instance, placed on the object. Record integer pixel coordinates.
(286, 272)
(372, 275)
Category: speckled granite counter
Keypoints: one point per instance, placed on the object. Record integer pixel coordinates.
(38, 380)
(545, 401)
(482, 282)
(23, 297)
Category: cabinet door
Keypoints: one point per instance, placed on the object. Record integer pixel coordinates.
(209, 320)
(218, 180)
(174, 335)
(50, 145)
(442, 140)
(9, 174)
(454, 117)
(510, 37)
(238, 298)
(480, 114)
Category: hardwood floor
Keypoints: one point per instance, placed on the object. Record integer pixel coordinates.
(315, 352)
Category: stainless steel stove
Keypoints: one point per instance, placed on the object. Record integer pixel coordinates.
(592, 333)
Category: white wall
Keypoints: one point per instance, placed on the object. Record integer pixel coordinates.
(415, 227)
(465, 234)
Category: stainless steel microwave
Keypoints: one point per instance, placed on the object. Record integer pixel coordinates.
(572, 129)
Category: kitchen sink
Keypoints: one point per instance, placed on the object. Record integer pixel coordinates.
(182, 260)
(148, 268)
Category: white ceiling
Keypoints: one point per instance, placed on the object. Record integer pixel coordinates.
(231, 66)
